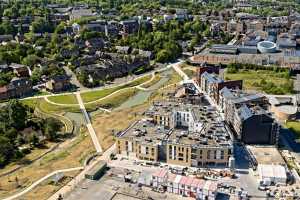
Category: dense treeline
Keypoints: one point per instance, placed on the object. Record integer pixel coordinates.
(164, 40)
(19, 127)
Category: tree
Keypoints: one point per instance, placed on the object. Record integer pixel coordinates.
(41, 26)
(51, 127)
(162, 56)
(60, 29)
(7, 150)
(34, 140)
(17, 114)
(30, 60)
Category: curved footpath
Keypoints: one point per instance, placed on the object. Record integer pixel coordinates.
(40, 181)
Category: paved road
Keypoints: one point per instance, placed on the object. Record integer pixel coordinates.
(40, 181)
(74, 80)
(89, 124)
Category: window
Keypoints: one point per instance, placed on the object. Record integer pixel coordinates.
(170, 151)
(208, 154)
(186, 154)
(222, 154)
(194, 150)
(194, 156)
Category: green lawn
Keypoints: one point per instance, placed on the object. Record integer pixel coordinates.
(113, 101)
(139, 81)
(64, 99)
(30, 102)
(41, 93)
(156, 79)
(48, 107)
(95, 95)
(190, 73)
(295, 127)
(267, 81)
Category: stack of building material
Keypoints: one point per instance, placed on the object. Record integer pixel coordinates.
(159, 178)
(272, 174)
(185, 185)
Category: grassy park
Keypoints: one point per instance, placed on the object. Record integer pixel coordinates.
(95, 95)
(268, 81)
(295, 127)
(114, 100)
(156, 79)
(64, 99)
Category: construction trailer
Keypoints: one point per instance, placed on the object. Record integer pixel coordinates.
(96, 171)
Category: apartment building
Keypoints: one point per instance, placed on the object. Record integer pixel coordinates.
(212, 84)
(248, 116)
(256, 25)
(236, 27)
(180, 134)
(206, 68)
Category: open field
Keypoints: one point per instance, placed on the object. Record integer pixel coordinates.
(33, 155)
(95, 95)
(189, 70)
(68, 157)
(112, 101)
(48, 107)
(107, 124)
(48, 187)
(156, 79)
(64, 99)
(295, 127)
(262, 80)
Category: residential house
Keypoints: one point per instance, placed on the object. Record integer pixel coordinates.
(98, 26)
(129, 26)
(81, 13)
(6, 38)
(58, 83)
(18, 87)
(20, 70)
(95, 43)
(123, 49)
(4, 68)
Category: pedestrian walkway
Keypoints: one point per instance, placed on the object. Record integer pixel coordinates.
(89, 124)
